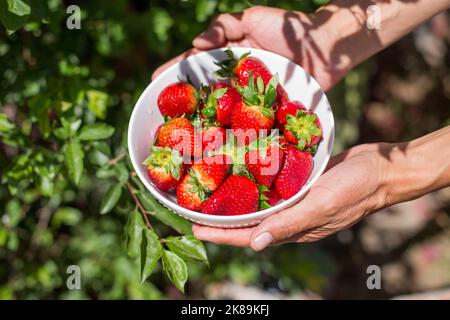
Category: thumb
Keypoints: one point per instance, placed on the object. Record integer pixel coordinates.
(225, 27)
(281, 226)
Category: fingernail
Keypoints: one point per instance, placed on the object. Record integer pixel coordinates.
(262, 241)
(204, 35)
(201, 35)
(210, 34)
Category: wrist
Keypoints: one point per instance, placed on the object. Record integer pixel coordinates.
(412, 169)
(345, 41)
(353, 31)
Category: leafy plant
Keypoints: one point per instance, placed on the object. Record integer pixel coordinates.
(67, 185)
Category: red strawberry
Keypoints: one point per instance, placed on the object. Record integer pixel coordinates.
(282, 95)
(203, 177)
(236, 196)
(272, 197)
(296, 170)
(239, 71)
(220, 104)
(255, 113)
(189, 196)
(283, 142)
(251, 117)
(177, 99)
(211, 171)
(303, 129)
(179, 134)
(212, 138)
(164, 167)
(264, 162)
(288, 107)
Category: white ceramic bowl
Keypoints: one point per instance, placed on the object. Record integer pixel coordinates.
(146, 118)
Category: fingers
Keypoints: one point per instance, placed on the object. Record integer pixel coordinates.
(166, 65)
(239, 237)
(224, 28)
(282, 226)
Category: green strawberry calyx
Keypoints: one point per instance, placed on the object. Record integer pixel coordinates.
(196, 187)
(255, 93)
(264, 143)
(232, 150)
(164, 157)
(303, 126)
(228, 65)
(263, 204)
(211, 102)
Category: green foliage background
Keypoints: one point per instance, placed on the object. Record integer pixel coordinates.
(66, 188)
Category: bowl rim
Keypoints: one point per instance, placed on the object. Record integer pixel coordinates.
(199, 216)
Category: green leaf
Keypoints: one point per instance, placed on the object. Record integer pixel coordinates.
(97, 157)
(3, 237)
(161, 23)
(46, 174)
(74, 160)
(105, 172)
(111, 198)
(68, 129)
(204, 9)
(321, 2)
(188, 247)
(152, 254)
(122, 172)
(163, 214)
(13, 212)
(5, 124)
(134, 232)
(11, 21)
(40, 107)
(18, 7)
(96, 131)
(175, 269)
(100, 153)
(67, 216)
(71, 126)
(97, 103)
(13, 241)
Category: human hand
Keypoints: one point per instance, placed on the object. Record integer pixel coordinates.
(357, 182)
(352, 188)
(327, 43)
(294, 35)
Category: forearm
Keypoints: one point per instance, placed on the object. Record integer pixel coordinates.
(415, 168)
(347, 39)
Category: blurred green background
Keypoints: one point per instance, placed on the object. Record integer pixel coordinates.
(53, 182)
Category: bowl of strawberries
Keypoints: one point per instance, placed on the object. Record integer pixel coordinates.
(230, 136)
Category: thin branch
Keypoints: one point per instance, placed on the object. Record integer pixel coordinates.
(139, 205)
(118, 158)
